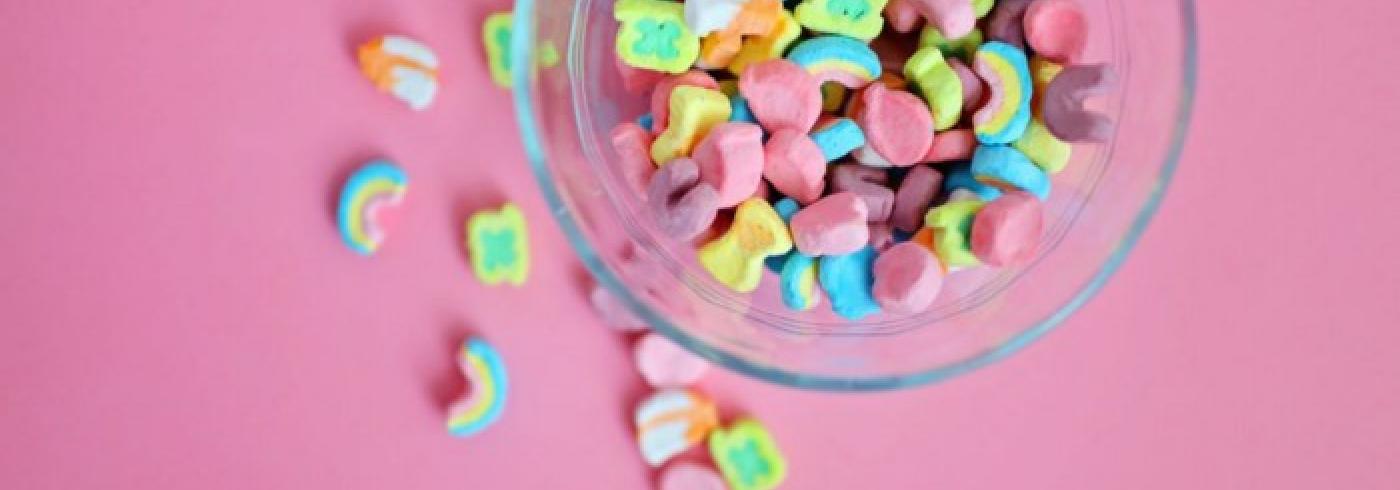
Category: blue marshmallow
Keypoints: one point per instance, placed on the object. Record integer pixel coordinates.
(849, 280)
(839, 139)
(1005, 166)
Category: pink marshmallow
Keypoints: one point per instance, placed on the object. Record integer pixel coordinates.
(953, 18)
(835, 225)
(663, 364)
(691, 476)
(870, 185)
(920, 186)
(897, 124)
(632, 143)
(1056, 29)
(950, 146)
(794, 164)
(973, 89)
(683, 206)
(1062, 104)
(661, 96)
(907, 279)
(902, 15)
(782, 95)
(1007, 230)
(731, 160)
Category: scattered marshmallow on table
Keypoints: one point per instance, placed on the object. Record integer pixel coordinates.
(499, 245)
(369, 203)
(495, 35)
(663, 364)
(748, 456)
(671, 421)
(690, 476)
(403, 67)
(487, 388)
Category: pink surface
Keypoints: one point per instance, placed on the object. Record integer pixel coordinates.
(180, 313)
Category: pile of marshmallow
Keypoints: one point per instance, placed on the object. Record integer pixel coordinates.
(858, 164)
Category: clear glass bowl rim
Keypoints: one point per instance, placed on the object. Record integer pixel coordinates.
(521, 52)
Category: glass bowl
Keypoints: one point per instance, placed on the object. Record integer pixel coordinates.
(568, 104)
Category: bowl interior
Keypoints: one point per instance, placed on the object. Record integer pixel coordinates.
(1098, 207)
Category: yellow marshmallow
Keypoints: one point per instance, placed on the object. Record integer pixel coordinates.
(736, 258)
(694, 110)
(939, 85)
(1043, 148)
(767, 46)
(951, 224)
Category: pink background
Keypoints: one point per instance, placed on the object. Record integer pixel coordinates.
(179, 312)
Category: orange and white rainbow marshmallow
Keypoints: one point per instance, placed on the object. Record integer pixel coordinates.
(403, 67)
